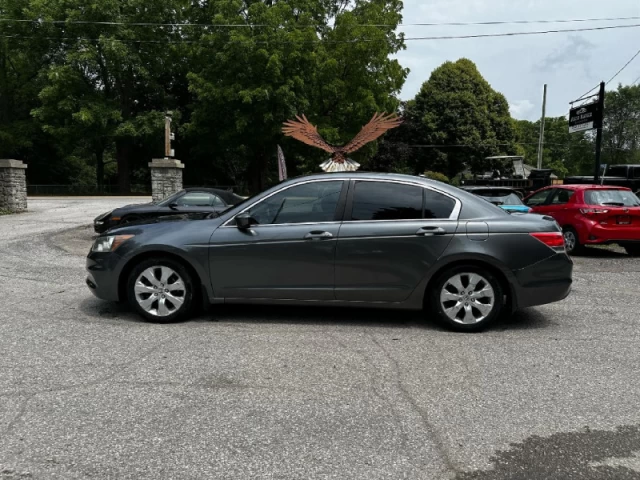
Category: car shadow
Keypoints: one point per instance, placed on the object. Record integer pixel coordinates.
(118, 313)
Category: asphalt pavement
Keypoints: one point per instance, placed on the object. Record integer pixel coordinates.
(89, 391)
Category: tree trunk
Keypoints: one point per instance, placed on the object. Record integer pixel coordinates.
(123, 158)
(100, 169)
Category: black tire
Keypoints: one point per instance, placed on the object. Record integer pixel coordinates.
(572, 246)
(437, 307)
(633, 250)
(174, 312)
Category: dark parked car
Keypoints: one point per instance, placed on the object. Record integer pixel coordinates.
(191, 201)
(504, 197)
(348, 239)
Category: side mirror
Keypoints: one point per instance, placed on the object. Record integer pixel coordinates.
(244, 221)
(173, 206)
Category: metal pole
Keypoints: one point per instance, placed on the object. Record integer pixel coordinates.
(542, 120)
(596, 176)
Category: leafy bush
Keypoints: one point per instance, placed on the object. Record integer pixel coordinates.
(441, 177)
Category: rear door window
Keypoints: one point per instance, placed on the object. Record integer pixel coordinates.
(619, 171)
(437, 205)
(611, 198)
(386, 201)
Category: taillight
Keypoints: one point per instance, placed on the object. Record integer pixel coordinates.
(550, 239)
(593, 211)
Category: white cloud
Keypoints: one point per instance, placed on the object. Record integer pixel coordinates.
(519, 66)
(522, 109)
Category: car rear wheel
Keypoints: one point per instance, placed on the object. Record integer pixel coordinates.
(161, 290)
(571, 240)
(633, 250)
(467, 298)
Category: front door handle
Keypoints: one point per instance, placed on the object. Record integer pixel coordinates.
(431, 231)
(318, 235)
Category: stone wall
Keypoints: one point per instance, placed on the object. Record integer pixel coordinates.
(13, 185)
(166, 177)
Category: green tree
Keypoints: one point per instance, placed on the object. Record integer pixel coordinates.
(458, 109)
(565, 153)
(248, 81)
(621, 129)
(109, 85)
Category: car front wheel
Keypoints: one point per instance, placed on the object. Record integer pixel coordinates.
(467, 299)
(161, 290)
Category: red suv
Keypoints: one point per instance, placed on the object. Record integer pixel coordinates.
(591, 214)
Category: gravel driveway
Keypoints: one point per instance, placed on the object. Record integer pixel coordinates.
(87, 390)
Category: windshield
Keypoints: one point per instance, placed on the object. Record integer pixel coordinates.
(502, 199)
(170, 200)
(614, 198)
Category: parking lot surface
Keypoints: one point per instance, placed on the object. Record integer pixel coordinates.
(88, 390)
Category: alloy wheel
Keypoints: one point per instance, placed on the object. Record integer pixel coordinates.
(467, 298)
(569, 240)
(160, 291)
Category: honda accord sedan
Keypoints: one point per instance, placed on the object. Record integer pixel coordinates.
(343, 239)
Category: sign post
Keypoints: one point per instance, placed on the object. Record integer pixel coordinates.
(598, 125)
(589, 117)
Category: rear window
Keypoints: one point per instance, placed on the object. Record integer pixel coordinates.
(613, 198)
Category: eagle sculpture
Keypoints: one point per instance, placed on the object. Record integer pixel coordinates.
(301, 129)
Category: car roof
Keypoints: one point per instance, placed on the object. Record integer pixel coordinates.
(591, 187)
(450, 189)
(488, 187)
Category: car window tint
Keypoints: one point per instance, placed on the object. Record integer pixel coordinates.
(437, 205)
(561, 196)
(613, 198)
(386, 201)
(636, 172)
(200, 199)
(306, 203)
(537, 199)
(618, 171)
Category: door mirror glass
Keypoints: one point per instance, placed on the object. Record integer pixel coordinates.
(244, 221)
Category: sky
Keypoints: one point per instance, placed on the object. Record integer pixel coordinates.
(569, 63)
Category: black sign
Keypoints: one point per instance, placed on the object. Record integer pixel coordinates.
(586, 117)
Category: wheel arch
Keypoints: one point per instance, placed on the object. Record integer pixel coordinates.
(200, 289)
(499, 273)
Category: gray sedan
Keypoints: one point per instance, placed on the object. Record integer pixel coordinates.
(348, 239)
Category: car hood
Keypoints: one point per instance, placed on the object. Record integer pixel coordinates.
(167, 222)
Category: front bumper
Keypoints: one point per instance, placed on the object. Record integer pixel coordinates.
(544, 282)
(103, 272)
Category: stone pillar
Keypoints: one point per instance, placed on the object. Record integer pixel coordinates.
(166, 177)
(13, 185)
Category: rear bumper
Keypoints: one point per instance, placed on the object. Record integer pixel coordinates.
(544, 282)
(593, 233)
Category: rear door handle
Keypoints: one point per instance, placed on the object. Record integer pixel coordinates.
(431, 231)
(318, 235)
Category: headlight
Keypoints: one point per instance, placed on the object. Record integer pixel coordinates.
(109, 243)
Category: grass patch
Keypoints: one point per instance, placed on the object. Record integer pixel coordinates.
(4, 212)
